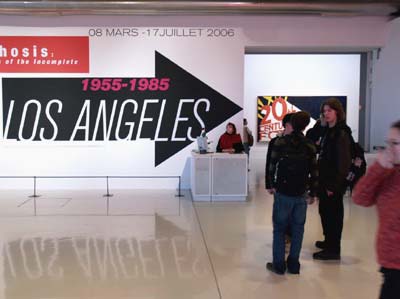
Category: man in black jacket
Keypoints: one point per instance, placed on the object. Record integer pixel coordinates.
(292, 172)
(334, 164)
(287, 129)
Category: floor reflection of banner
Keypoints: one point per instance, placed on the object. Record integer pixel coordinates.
(272, 109)
(128, 264)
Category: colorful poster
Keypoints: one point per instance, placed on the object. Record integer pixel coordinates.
(272, 109)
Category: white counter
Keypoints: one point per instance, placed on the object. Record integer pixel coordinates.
(219, 177)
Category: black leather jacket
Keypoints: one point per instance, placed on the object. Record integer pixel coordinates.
(335, 158)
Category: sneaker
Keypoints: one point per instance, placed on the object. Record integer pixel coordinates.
(271, 267)
(320, 244)
(325, 255)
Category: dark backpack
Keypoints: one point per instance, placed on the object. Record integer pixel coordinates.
(293, 169)
(250, 139)
(358, 164)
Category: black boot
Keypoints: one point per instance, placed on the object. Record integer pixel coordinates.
(326, 255)
(320, 244)
(293, 266)
(277, 270)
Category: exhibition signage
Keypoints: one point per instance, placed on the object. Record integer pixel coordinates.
(170, 108)
(77, 89)
(44, 54)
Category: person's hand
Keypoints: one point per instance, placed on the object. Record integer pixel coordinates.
(358, 162)
(330, 193)
(271, 191)
(311, 199)
(385, 158)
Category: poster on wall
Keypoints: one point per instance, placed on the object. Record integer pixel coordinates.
(132, 100)
(272, 109)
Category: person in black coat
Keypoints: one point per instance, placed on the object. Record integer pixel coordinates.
(294, 175)
(287, 129)
(334, 163)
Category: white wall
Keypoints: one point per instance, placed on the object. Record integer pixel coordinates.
(302, 75)
(266, 33)
(271, 32)
(385, 106)
(133, 57)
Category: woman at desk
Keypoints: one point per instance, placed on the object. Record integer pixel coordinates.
(230, 141)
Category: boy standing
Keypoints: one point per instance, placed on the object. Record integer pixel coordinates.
(287, 129)
(292, 172)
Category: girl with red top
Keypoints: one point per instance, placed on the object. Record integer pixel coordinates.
(230, 141)
(381, 187)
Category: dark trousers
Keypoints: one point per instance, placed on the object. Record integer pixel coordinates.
(331, 211)
(391, 284)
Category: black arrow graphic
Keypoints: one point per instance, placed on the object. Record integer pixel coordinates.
(61, 109)
(185, 85)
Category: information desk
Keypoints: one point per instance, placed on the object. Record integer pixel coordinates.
(219, 177)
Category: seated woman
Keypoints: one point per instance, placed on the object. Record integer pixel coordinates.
(230, 142)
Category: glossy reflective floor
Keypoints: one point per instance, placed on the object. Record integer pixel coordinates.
(153, 245)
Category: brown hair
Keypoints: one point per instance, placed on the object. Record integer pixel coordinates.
(233, 126)
(335, 104)
(286, 119)
(396, 125)
(300, 120)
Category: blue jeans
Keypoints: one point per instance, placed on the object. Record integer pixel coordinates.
(288, 211)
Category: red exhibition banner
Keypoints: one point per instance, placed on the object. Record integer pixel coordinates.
(44, 54)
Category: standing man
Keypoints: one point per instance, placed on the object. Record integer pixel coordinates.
(246, 137)
(247, 141)
(287, 129)
(292, 172)
(334, 165)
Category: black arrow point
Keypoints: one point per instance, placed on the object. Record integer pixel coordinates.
(184, 85)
